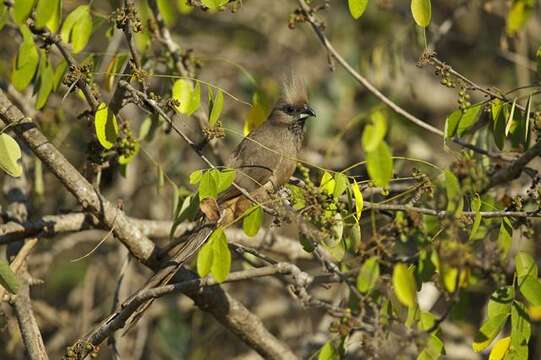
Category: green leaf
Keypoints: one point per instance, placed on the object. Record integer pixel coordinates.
(454, 193)
(368, 275)
(359, 202)
(8, 279)
(328, 352)
(195, 177)
(498, 111)
(106, 126)
(405, 286)
(374, 133)
(214, 4)
(216, 108)
(432, 350)
(500, 348)
(221, 259)
(225, 179)
(357, 7)
(422, 12)
(511, 117)
(521, 329)
(21, 10)
(327, 183)
(48, 14)
(426, 320)
(27, 60)
(112, 70)
(341, 184)
(252, 220)
(500, 301)
(256, 116)
(505, 236)
(77, 28)
(469, 117)
(451, 123)
(208, 188)
(205, 259)
(46, 81)
(380, 165)
(4, 14)
(525, 265)
(10, 153)
(126, 158)
(476, 207)
(488, 331)
(352, 236)
(530, 288)
(184, 211)
(297, 195)
(59, 74)
(449, 277)
(188, 96)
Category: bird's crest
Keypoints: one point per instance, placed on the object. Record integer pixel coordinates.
(295, 91)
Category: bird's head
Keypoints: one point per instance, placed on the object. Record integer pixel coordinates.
(292, 107)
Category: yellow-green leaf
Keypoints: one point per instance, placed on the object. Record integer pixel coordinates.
(204, 259)
(380, 164)
(77, 28)
(328, 352)
(525, 265)
(22, 9)
(404, 284)
(357, 8)
(106, 126)
(530, 288)
(216, 108)
(518, 15)
(10, 153)
(8, 280)
(188, 96)
(252, 220)
(451, 123)
(374, 133)
(368, 275)
(500, 349)
(341, 184)
(224, 179)
(327, 183)
(488, 332)
(59, 74)
(208, 188)
(422, 12)
(221, 259)
(214, 4)
(46, 81)
(27, 61)
(48, 14)
(469, 117)
(195, 177)
(476, 207)
(358, 196)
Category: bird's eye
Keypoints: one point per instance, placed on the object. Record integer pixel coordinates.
(288, 109)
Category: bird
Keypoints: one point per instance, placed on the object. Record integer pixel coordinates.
(265, 159)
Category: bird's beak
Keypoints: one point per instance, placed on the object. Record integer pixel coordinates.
(308, 111)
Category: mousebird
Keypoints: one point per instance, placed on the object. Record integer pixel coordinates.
(264, 159)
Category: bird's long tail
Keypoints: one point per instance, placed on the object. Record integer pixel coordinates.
(182, 253)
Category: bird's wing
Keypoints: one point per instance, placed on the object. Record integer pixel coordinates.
(254, 167)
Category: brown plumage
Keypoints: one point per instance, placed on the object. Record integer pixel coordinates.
(266, 156)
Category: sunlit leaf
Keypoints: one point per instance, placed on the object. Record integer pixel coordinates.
(488, 331)
(10, 153)
(358, 196)
(225, 179)
(357, 7)
(208, 188)
(185, 210)
(48, 14)
(422, 12)
(252, 220)
(454, 192)
(256, 116)
(499, 350)
(113, 68)
(518, 15)
(106, 126)
(500, 301)
(368, 275)
(328, 352)
(380, 165)
(59, 73)
(327, 183)
(221, 259)
(511, 117)
(374, 133)
(27, 61)
(470, 116)
(204, 259)
(217, 107)
(432, 350)
(214, 4)
(341, 184)
(188, 96)
(195, 177)
(525, 265)
(476, 207)
(77, 28)
(22, 9)
(530, 288)
(404, 284)
(451, 123)
(521, 329)
(46, 81)
(505, 235)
